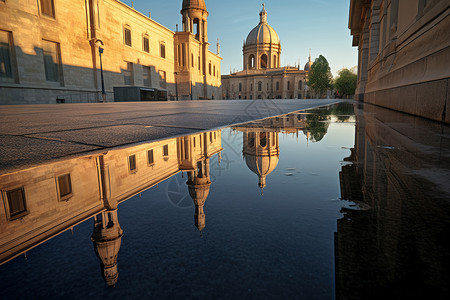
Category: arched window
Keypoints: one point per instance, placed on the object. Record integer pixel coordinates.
(197, 29)
(251, 86)
(263, 139)
(278, 85)
(251, 142)
(289, 85)
(251, 61)
(274, 61)
(240, 86)
(264, 61)
(259, 86)
(300, 83)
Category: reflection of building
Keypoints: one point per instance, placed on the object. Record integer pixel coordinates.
(396, 240)
(49, 51)
(45, 200)
(261, 152)
(107, 237)
(195, 152)
(404, 55)
(263, 77)
(261, 148)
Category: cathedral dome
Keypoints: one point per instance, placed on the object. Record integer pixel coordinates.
(196, 4)
(263, 33)
(308, 64)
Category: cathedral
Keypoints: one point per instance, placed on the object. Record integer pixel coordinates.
(263, 77)
(65, 51)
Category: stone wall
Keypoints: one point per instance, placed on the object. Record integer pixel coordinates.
(404, 50)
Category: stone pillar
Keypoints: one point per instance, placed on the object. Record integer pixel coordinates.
(374, 43)
(363, 58)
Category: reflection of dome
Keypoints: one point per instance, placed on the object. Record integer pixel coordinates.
(263, 33)
(261, 165)
(198, 4)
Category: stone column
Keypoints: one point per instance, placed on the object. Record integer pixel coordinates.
(374, 44)
(363, 58)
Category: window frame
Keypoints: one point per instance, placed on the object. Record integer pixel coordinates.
(132, 171)
(65, 197)
(146, 42)
(165, 151)
(152, 163)
(58, 62)
(14, 78)
(42, 13)
(162, 50)
(20, 214)
(125, 29)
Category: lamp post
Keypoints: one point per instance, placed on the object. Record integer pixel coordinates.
(176, 85)
(100, 51)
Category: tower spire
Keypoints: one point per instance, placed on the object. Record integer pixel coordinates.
(263, 14)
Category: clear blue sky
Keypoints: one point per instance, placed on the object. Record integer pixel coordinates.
(321, 25)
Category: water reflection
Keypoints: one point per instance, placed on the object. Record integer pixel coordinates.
(390, 225)
(49, 199)
(393, 241)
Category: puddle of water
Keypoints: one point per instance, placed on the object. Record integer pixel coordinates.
(304, 204)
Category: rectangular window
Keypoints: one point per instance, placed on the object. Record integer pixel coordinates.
(150, 157)
(278, 85)
(128, 74)
(16, 202)
(183, 55)
(47, 8)
(52, 61)
(162, 79)
(162, 47)
(166, 150)
(147, 76)
(146, 45)
(289, 85)
(127, 36)
(132, 163)
(64, 187)
(6, 66)
(199, 63)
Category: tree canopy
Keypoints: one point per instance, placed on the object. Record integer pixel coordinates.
(320, 78)
(345, 83)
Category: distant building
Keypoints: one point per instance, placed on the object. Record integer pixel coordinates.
(404, 55)
(50, 49)
(262, 77)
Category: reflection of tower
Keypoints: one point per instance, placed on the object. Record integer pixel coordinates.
(107, 237)
(261, 152)
(198, 185)
(195, 152)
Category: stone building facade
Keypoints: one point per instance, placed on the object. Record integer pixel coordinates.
(262, 77)
(50, 49)
(404, 55)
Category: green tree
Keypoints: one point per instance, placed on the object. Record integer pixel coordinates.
(320, 78)
(345, 83)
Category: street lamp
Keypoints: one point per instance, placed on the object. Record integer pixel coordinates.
(176, 85)
(100, 51)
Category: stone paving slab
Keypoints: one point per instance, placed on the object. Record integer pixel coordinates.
(32, 134)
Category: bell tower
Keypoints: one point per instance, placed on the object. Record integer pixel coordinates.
(195, 19)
